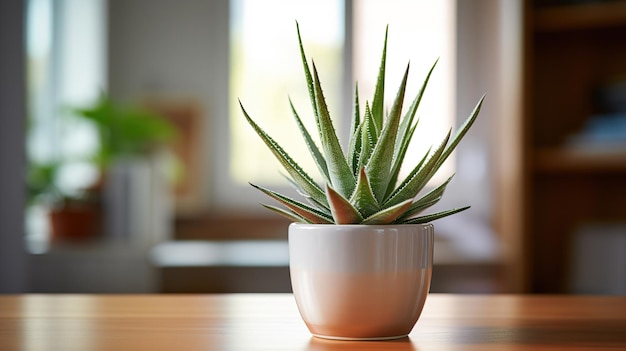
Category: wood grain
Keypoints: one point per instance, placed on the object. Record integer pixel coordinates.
(271, 322)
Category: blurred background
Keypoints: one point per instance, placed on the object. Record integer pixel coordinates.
(125, 159)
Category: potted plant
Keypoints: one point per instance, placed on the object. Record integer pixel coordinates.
(360, 247)
(71, 216)
(135, 175)
(126, 134)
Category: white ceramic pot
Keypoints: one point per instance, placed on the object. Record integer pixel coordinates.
(360, 282)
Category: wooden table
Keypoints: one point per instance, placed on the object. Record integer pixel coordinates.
(271, 322)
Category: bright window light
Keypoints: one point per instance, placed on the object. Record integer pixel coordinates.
(66, 68)
(420, 31)
(266, 69)
(66, 58)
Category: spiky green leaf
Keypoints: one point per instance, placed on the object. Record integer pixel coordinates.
(339, 171)
(389, 214)
(354, 148)
(378, 167)
(405, 133)
(303, 193)
(426, 201)
(309, 213)
(417, 180)
(363, 198)
(308, 77)
(434, 216)
(313, 149)
(407, 121)
(377, 146)
(368, 136)
(304, 181)
(289, 215)
(397, 161)
(437, 192)
(429, 170)
(461, 132)
(379, 92)
(343, 212)
(415, 209)
(433, 165)
(412, 174)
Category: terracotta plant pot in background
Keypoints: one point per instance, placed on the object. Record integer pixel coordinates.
(360, 282)
(74, 223)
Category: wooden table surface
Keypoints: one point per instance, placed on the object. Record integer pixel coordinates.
(271, 322)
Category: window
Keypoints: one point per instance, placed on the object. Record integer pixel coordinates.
(66, 61)
(346, 46)
(250, 55)
(420, 32)
(266, 69)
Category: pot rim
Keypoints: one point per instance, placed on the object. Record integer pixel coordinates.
(378, 226)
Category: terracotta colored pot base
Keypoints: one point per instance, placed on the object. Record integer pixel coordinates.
(362, 330)
(343, 338)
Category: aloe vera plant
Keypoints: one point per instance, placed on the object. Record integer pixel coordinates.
(363, 185)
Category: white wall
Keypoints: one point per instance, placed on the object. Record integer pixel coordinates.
(175, 50)
(478, 62)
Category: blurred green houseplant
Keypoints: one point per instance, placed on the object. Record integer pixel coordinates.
(123, 131)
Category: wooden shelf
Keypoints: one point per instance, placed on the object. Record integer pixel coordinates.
(585, 16)
(568, 52)
(564, 160)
